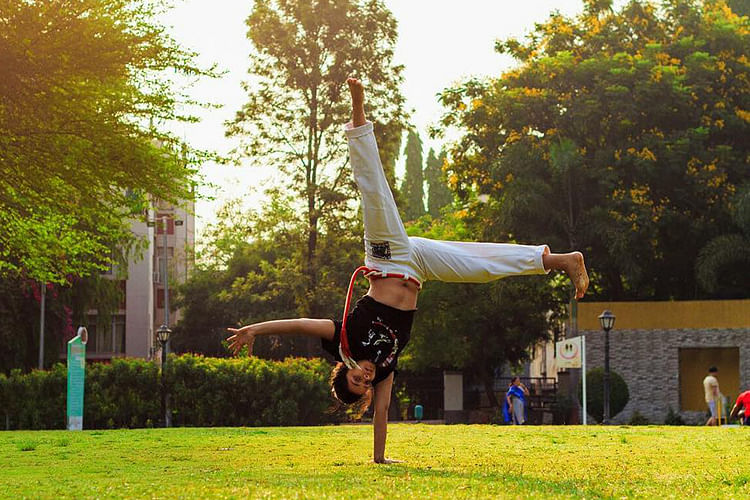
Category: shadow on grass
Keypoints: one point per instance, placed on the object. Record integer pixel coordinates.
(511, 482)
(413, 481)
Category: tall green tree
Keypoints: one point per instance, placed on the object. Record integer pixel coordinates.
(84, 85)
(438, 194)
(67, 306)
(249, 272)
(412, 189)
(719, 260)
(479, 328)
(621, 133)
(297, 102)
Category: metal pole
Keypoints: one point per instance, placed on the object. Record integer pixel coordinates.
(41, 326)
(583, 374)
(166, 275)
(606, 377)
(165, 346)
(163, 384)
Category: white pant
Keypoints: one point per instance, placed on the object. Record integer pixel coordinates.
(389, 249)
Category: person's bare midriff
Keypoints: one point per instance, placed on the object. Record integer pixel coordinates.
(394, 292)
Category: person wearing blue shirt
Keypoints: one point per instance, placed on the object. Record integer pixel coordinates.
(514, 408)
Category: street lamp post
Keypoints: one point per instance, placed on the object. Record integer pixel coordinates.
(607, 321)
(151, 223)
(166, 274)
(162, 334)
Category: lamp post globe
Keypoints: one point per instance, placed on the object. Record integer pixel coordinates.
(162, 334)
(607, 321)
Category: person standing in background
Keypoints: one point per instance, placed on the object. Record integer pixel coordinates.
(515, 401)
(712, 393)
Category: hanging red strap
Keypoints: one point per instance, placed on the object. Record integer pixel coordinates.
(344, 351)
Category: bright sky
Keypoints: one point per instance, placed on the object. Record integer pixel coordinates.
(440, 42)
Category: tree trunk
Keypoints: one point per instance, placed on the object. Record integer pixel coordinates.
(312, 248)
(489, 389)
(394, 411)
(571, 218)
(312, 199)
(312, 274)
(617, 290)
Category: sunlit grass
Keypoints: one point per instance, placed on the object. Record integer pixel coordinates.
(334, 462)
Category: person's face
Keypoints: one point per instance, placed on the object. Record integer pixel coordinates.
(516, 381)
(359, 380)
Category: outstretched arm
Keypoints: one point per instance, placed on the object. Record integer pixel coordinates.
(382, 402)
(321, 328)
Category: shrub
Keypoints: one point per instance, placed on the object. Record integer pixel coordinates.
(638, 419)
(673, 418)
(4, 395)
(563, 409)
(247, 391)
(35, 400)
(124, 393)
(204, 392)
(618, 393)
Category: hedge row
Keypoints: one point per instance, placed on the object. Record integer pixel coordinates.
(203, 392)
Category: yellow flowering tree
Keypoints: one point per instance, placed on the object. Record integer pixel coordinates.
(622, 133)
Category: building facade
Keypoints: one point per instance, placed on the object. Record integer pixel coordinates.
(663, 351)
(169, 231)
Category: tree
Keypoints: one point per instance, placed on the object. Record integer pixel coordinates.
(412, 189)
(66, 305)
(249, 272)
(622, 133)
(304, 51)
(85, 84)
(618, 393)
(718, 261)
(479, 328)
(438, 194)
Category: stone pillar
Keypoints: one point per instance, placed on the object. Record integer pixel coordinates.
(453, 397)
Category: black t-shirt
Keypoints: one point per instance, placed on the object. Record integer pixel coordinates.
(376, 332)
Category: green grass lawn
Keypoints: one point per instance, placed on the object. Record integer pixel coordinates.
(456, 461)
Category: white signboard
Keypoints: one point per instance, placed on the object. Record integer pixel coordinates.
(569, 353)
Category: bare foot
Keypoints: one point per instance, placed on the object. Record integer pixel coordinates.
(575, 268)
(357, 91)
(572, 264)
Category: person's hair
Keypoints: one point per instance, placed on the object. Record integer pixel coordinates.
(342, 394)
(514, 379)
(713, 369)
